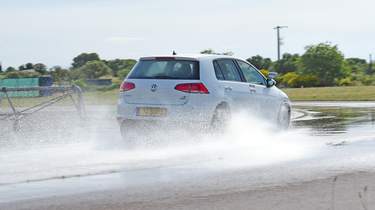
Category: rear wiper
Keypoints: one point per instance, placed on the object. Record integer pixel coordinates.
(154, 77)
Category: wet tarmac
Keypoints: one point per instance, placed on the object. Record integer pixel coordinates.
(61, 155)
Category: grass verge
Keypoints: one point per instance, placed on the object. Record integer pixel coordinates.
(354, 93)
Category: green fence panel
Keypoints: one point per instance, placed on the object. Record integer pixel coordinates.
(21, 83)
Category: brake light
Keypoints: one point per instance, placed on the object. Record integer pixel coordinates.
(126, 86)
(192, 88)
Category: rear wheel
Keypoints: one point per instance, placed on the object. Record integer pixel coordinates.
(221, 118)
(283, 120)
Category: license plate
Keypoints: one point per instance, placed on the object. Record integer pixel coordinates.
(151, 112)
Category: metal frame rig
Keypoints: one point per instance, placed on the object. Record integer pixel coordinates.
(17, 114)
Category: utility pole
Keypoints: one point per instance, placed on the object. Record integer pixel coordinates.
(277, 28)
(369, 71)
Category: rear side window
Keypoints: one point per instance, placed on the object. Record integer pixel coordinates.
(218, 73)
(166, 69)
(226, 70)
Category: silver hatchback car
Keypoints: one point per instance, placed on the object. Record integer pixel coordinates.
(200, 90)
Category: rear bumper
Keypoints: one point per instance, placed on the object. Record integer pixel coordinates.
(178, 115)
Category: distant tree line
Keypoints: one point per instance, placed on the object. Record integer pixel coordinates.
(84, 66)
(320, 65)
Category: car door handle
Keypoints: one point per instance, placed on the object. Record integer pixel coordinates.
(252, 89)
(227, 89)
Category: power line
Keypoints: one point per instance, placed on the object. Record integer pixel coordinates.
(277, 28)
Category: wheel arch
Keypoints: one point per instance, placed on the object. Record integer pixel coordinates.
(221, 104)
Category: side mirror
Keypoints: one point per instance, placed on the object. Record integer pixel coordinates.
(270, 82)
(272, 75)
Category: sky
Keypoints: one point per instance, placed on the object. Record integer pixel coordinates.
(55, 31)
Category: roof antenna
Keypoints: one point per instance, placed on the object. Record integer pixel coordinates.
(174, 53)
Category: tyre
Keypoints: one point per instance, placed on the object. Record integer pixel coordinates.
(221, 118)
(283, 119)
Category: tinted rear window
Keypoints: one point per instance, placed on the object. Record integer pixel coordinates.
(228, 70)
(166, 69)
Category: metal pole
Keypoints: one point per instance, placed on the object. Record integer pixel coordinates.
(278, 43)
(370, 65)
(16, 123)
(18, 115)
(279, 40)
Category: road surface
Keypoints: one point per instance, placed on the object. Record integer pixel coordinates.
(326, 161)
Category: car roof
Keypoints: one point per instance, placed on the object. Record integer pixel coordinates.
(199, 57)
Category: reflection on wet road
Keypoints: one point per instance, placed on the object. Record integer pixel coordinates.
(56, 156)
(350, 120)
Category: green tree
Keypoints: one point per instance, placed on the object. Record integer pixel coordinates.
(212, 52)
(260, 62)
(21, 74)
(230, 53)
(40, 68)
(83, 58)
(208, 51)
(118, 64)
(288, 63)
(323, 61)
(59, 74)
(356, 65)
(10, 68)
(356, 61)
(123, 73)
(27, 66)
(75, 74)
(94, 70)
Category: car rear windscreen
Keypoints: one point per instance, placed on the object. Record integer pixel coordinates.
(166, 69)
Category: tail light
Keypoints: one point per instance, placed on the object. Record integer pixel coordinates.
(126, 86)
(192, 88)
